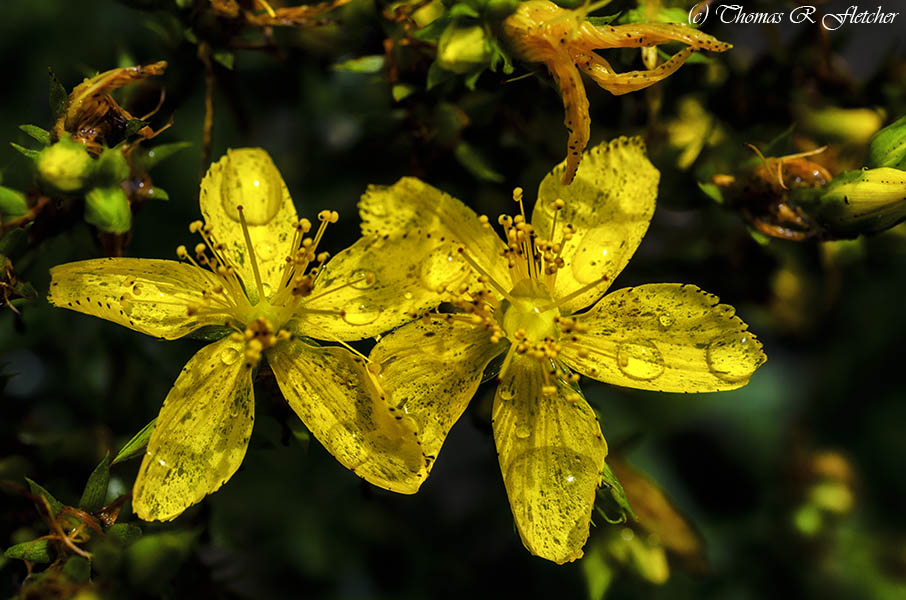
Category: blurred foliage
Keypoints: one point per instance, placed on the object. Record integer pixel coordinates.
(790, 485)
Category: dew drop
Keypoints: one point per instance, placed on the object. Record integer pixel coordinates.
(229, 356)
(442, 268)
(665, 320)
(505, 392)
(251, 180)
(640, 360)
(408, 295)
(265, 251)
(596, 252)
(734, 356)
(267, 289)
(362, 279)
(523, 430)
(361, 314)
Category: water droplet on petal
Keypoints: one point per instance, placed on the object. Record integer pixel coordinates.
(523, 430)
(265, 251)
(408, 295)
(506, 392)
(251, 180)
(442, 268)
(267, 288)
(734, 356)
(595, 252)
(640, 360)
(362, 279)
(361, 314)
(229, 356)
(665, 320)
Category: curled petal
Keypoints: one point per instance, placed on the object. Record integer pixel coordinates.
(201, 434)
(430, 370)
(147, 295)
(609, 205)
(666, 337)
(622, 83)
(332, 392)
(551, 454)
(247, 177)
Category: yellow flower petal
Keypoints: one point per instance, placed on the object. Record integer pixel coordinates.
(551, 454)
(609, 203)
(667, 337)
(201, 434)
(411, 204)
(147, 295)
(379, 283)
(332, 392)
(431, 370)
(247, 177)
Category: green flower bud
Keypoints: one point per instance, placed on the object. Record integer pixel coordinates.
(463, 48)
(65, 166)
(888, 147)
(859, 202)
(112, 167)
(108, 209)
(854, 125)
(12, 203)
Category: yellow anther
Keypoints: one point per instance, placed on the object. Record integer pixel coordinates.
(558, 204)
(548, 390)
(195, 226)
(328, 216)
(182, 253)
(304, 225)
(323, 256)
(517, 194)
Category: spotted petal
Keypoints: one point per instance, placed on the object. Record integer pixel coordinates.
(610, 203)
(379, 283)
(201, 434)
(551, 455)
(247, 177)
(430, 371)
(333, 393)
(667, 337)
(411, 204)
(147, 295)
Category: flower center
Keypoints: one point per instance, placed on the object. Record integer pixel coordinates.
(527, 316)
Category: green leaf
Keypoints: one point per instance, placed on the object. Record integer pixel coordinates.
(225, 58)
(472, 79)
(712, 191)
(598, 573)
(133, 126)
(613, 499)
(600, 21)
(156, 193)
(33, 551)
(437, 75)
(475, 163)
(135, 446)
(14, 241)
(96, 488)
(401, 91)
(12, 202)
(433, 30)
(362, 64)
(461, 9)
(55, 505)
(58, 96)
(124, 533)
(149, 159)
(38, 134)
(32, 154)
(780, 145)
(77, 568)
(155, 559)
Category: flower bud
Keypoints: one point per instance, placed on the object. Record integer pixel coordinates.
(888, 147)
(12, 203)
(859, 202)
(855, 125)
(108, 209)
(112, 167)
(65, 166)
(462, 49)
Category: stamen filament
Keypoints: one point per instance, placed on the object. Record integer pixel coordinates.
(572, 296)
(248, 243)
(483, 273)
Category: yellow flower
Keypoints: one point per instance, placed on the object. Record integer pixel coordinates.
(523, 299)
(258, 274)
(541, 31)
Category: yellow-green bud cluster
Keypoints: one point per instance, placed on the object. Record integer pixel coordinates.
(65, 166)
(888, 147)
(859, 202)
(107, 208)
(463, 48)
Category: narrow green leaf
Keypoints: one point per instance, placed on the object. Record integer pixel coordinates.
(133, 126)
(136, 445)
(34, 551)
(475, 163)
(225, 58)
(611, 493)
(437, 75)
(12, 202)
(96, 488)
(156, 193)
(149, 159)
(461, 9)
(711, 191)
(32, 154)
(55, 505)
(362, 64)
(401, 91)
(41, 135)
(58, 96)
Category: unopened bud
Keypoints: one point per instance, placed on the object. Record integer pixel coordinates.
(12, 203)
(112, 168)
(854, 125)
(462, 49)
(859, 202)
(888, 147)
(65, 166)
(108, 209)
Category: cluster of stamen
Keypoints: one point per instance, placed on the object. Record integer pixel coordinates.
(259, 335)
